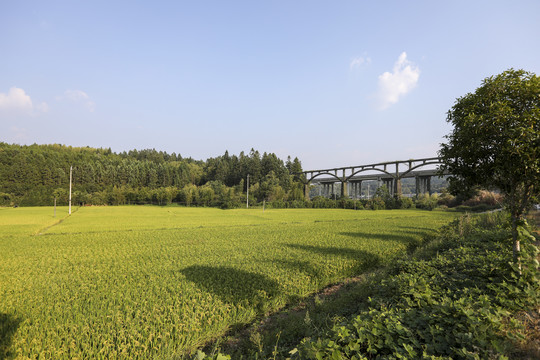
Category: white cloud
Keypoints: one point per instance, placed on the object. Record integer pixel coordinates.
(18, 101)
(359, 62)
(43, 107)
(15, 99)
(393, 85)
(80, 97)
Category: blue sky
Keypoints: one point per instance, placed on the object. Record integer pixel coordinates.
(334, 83)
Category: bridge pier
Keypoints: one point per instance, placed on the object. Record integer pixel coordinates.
(328, 189)
(397, 188)
(306, 191)
(356, 189)
(344, 190)
(389, 182)
(423, 185)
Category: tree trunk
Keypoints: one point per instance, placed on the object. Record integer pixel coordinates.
(516, 250)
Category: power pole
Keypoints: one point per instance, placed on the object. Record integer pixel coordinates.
(247, 197)
(70, 178)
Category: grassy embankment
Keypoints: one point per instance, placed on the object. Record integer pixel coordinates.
(457, 297)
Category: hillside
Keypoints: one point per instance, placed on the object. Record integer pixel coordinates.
(36, 174)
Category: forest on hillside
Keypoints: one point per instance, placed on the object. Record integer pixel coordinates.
(37, 174)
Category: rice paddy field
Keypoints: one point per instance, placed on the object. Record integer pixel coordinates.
(159, 282)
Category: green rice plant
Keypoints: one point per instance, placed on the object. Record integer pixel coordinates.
(160, 282)
(29, 220)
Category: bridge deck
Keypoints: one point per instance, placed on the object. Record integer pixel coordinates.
(378, 176)
(388, 172)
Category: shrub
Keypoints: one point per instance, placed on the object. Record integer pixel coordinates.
(426, 201)
(485, 197)
(346, 203)
(320, 202)
(6, 199)
(452, 305)
(297, 204)
(447, 199)
(404, 203)
(376, 203)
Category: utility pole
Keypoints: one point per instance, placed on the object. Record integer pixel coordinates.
(247, 197)
(70, 178)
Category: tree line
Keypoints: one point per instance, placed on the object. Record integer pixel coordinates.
(33, 175)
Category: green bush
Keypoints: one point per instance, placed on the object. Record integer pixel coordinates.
(476, 208)
(404, 203)
(320, 202)
(6, 199)
(485, 197)
(451, 303)
(376, 203)
(426, 201)
(446, 199)
(296, 204)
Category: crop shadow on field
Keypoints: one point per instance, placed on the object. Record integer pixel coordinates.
(418, 229)
(366, 259)
(8, 327)
(426, 228)
(232, 285)
(404, 237)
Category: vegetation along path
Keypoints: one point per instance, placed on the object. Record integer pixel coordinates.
(143, 281)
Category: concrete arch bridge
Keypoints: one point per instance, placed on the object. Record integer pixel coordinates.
(386, 173)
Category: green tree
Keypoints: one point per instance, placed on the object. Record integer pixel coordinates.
(206, 195)
(495, 142)
(383, 194)
(29, 174)
(117, 196)
(269, 188)
(189, 194)
(61, 195)
(195, 173)
(5, 199)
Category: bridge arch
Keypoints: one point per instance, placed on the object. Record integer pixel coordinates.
(438, 162)
(370, 169)
(325, 173)
(380, 168)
